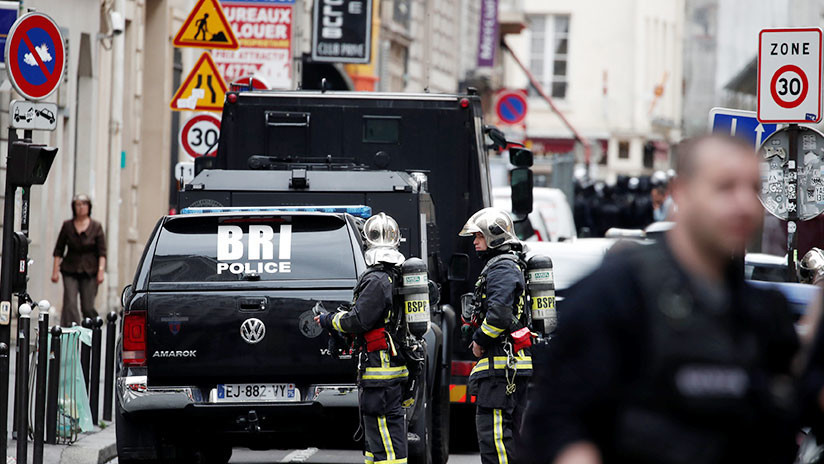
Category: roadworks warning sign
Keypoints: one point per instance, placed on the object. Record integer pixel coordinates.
(206, 27)
(203, 89)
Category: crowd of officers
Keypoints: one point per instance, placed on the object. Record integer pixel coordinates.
(662, 355)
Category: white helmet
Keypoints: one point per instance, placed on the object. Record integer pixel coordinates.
(495, 225)
(382, 237)
(811, 266)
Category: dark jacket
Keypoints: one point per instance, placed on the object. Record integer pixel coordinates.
(371, 309)
(500, 288)
(617, 371)
(80, 252)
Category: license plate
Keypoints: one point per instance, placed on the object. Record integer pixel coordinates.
(236, 392)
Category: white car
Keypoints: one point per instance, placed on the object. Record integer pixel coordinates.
(551, 215)
(572, 260)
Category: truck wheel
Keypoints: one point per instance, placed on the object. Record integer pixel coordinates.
(136, 440)
(440, 423)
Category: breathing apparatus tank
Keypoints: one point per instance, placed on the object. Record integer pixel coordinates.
(415, 291)
(541, 288)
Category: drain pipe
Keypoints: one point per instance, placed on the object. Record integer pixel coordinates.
(115, 150)
(540, 88)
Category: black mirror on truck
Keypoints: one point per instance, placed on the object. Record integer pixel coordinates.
(520, 157)
(521, 182)
(497, 136)
(459, 267)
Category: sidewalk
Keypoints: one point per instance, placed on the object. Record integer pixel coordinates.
(96, 447)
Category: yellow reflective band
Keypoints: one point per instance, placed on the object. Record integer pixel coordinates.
(498, 429)
(392, 461)
(385, 373)
(387, 439)
(522, 362)
(336, 321)
(490, 330)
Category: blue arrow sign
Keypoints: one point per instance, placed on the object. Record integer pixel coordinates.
(740, 123)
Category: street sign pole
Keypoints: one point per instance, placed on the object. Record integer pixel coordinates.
(792, 202)
(5, 300)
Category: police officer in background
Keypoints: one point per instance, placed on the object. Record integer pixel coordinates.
(501, 341)
(665, 354)
(382, 372)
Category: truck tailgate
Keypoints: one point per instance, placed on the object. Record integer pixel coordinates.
(195, 338)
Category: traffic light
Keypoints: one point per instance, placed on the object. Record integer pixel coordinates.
(29, 164)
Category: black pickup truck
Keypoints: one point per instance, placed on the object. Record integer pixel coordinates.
(218, 345)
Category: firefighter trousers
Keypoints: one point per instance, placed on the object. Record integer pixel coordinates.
(384, 425)
(498, 419)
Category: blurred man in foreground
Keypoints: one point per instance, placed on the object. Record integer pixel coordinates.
(665, 355)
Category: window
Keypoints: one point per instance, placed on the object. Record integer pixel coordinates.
(623, 150)
(219, 249)
(548, 59)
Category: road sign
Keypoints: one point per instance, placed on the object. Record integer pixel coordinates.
(35, 56)
(789, 75)
(511, 106)
(740, 123)
(199, 135)
(206, 27)
(185, 171)
(33, 115)
(203, 89)
(342, 31)
(780, 173)
(8, 15)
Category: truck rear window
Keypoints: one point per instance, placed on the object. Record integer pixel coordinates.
(220, 249)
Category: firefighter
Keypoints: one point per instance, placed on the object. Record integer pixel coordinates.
(382, 373)
(501, 340)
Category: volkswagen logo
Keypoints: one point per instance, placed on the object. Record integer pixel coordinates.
(252, 330)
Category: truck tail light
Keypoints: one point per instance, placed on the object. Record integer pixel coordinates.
(134, 338)
(462, 368)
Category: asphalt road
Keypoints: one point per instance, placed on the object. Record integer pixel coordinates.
(314, 455)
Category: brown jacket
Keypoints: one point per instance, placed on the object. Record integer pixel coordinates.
(80, 252)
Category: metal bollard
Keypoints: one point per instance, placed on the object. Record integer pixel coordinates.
(23, 383)
(108, 379)
(94, 380)
(40, 385)
(54, 383)
(86, 353)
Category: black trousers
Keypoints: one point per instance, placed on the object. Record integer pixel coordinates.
(498, 419)
(384, 425)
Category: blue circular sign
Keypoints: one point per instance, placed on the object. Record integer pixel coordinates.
(35, 56)
(511, 107)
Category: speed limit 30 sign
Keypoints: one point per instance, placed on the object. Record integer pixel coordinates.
(199, 135)
(789, 75)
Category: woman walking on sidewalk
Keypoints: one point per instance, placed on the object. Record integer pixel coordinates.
(80, 255)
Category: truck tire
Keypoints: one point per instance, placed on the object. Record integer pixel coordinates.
(440, 423)
(137, 441)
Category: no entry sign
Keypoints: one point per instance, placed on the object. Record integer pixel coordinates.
(199, 135)
(511, 106)
(35, 56)
(789, 75)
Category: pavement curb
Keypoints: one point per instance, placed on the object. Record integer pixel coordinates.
(98, 447)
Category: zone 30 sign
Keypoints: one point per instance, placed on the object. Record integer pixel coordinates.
(789, 75)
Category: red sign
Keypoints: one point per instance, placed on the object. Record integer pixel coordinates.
(264, 31)
(35, 57)
(511, 106)
(199, 135)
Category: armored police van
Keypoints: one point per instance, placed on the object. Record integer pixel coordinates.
(219, 347)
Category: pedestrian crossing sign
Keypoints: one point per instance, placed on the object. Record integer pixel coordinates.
(206, 27)
(203, 89)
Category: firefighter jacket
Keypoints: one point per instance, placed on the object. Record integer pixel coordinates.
(372, 308)
(500, 290)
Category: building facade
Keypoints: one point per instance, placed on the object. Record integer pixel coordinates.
(613, 69)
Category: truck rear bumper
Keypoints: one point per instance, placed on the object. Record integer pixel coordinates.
(135, 395)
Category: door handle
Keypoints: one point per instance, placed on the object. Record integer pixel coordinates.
(253, 304)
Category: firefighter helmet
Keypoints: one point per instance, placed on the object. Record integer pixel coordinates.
(495, 225)
(811, 266)
(382, 237)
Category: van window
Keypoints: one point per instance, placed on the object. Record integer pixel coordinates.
(220, 249)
